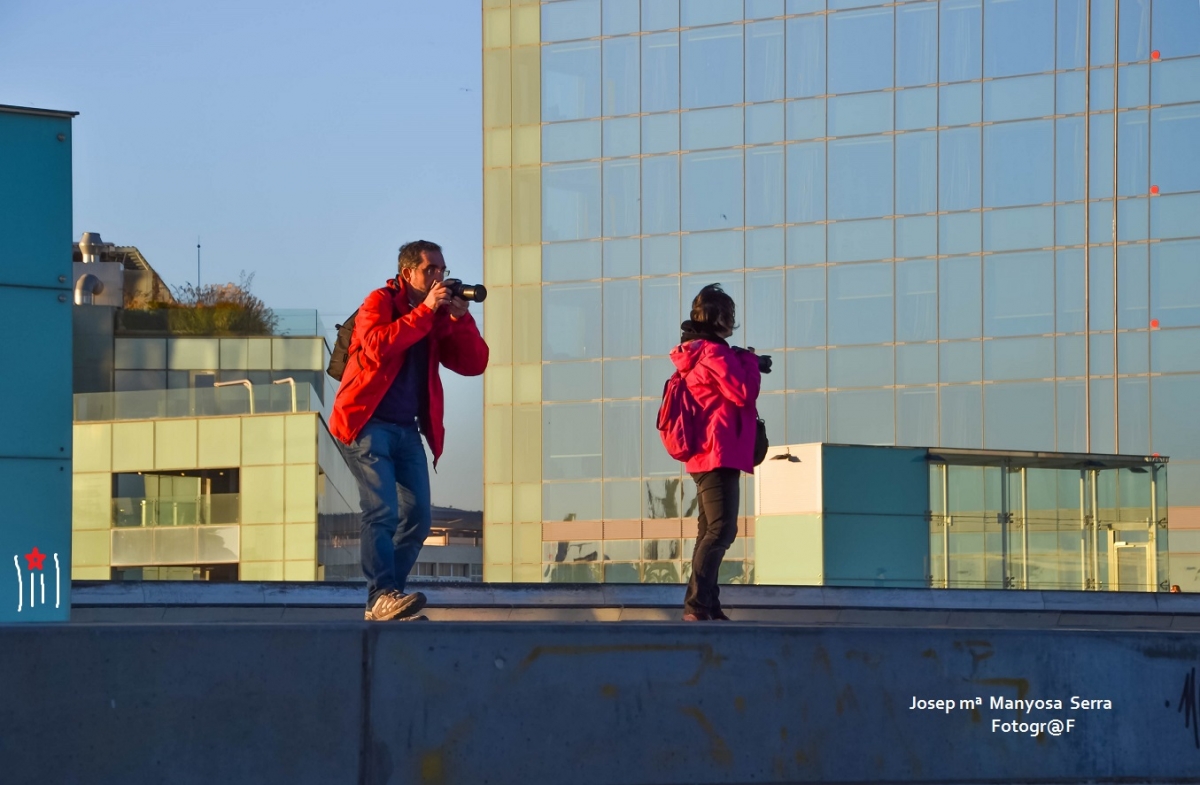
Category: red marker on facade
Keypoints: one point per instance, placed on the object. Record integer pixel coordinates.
(1154, 324)
(1155, 55)
(1154, 190)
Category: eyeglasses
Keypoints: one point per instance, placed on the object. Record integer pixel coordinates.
(439, 273)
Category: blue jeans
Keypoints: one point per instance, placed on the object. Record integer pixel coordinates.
(392, 471)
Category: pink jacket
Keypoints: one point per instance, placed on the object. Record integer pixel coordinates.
(725, 382)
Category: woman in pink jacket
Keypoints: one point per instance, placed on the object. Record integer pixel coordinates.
(724, 380)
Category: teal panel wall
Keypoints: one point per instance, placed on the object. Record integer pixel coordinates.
(875, 480)
(35, 317)
(876, 550)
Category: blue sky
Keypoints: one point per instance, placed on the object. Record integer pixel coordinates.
(303, 141)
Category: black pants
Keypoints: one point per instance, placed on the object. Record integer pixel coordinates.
(717, 492)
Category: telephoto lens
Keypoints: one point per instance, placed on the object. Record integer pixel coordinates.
(476, 293)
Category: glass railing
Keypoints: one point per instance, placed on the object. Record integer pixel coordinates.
(142, 511)
(236, 399)
(298, 321)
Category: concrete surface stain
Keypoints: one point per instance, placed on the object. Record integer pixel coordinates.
(822, 660)
(1179, 651)
(609, 690)
(868, 659)
(846, 700)
(1021, 686)
(783, 734)
(774, 666)
(708, 656)
(739, 703)
(718, 749)
(929, 654)
(433, 768)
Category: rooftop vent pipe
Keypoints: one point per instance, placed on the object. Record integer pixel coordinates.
(89, 248)
(87, 287)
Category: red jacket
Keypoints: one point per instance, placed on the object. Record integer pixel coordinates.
(724, 381)
(377, 352)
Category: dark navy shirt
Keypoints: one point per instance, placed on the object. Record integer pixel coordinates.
(405, 399)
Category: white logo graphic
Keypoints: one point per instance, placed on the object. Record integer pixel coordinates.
(37, 588)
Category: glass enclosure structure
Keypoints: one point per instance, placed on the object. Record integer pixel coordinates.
(954, 223)
(1047, 521)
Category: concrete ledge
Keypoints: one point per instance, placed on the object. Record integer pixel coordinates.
(639, 703)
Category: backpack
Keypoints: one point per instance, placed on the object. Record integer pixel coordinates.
(340, 356)
(341, 348)
(680, 420)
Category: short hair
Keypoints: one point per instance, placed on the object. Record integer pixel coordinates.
(411, 253)
(714, 307)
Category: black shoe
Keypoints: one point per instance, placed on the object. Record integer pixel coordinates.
(719, 615)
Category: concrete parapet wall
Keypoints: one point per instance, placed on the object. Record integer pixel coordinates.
(635, 703)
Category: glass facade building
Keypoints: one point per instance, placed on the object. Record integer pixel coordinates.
(956, 223)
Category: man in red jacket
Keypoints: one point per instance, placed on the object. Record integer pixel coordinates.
(391, 394)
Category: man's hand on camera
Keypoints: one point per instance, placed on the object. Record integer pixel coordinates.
(764, 363)
(458, 307)
(438, 296)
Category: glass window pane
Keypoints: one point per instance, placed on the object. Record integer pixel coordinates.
(806, 369)
(711, 251)
(1176, 429)
(764, 248)
(806, 182)
(622, 439)
(1175, 283)
(570, 381)
(1174, 28)
(621, 76)
(660, 14)
(764, 123)
(916, 300)
(1072, 33)
(916, 108)
(1101, 170)
(622, 258)
(862, 417)
(1133, 282)
(861, 241)
(1069, 357)
(1173, 351)
(961, 40)
(1134, 86)
(1071, 92)
(712, 66)
(621, 137)
(916, 44)
(660, 315)
(620, 16)
(660, 194)
(707, 128)
(861, 366)
(764, 61)
(570, 202)
(959, 298)
(805, 417)
(660, 72)
(916, 417)
(806, 119)
(764, 186)
(916, 173)
(864, 113)
(805, 56)
(960, 361)
(712, 12)
(1174, 216)
(960, 104)
(1019, 37)
(806, 307)
(571, 322)
(571, 261)
(761, 9)
(962, 416)
(1013, 99)
(917, 363)
(916, 236)
(1069, 160)
(860, 177)
(959, 169)
(621, 187)
(860, 303)
(860, 50)
(660, 256)
(1018, 294)
(806, 244)
(660, 133)
(570, 141)
(1014, 229)
(763, 316)
(959, 233)
(623, 379)
(712, 190)
(1019, 416)
(570, 81)
(1103, 34)
(571, 441)
(1175, 81)
(572, 501)
(1018, 161)
(1018, 358)
(622, 319)
(571, 19)
(1174, 165)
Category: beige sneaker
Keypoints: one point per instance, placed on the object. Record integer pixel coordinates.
(395, 605)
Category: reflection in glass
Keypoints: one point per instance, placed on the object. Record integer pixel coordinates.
(622, 318)
(916, 173)
(916, 301)
(958, 298)
(860, 303)
(570, 81)
(1018, 37)
(660, 315)
(860, 50)
(959, 104)
(571, 261)
(806, 306)
(1018, 163)
(620, 84)
(806, 119)
(806, 369)
(862, 417)
(916, 44)
(764, 61)
(763, 311)
(1173, 133)
(1022, 227)
(805, 56)
(958, 169)
(660, 14)
(570, 141)
(805, 417)
(1019, 416)
(571, 440)
(571, 19)
(620, 16)
(764, 248)
(916, 236)
(961, 416)
(1133, 282)
(917, 363)
(764, 186)
(571, 322)
(861, 366)
(960, 361)
(621, 185)
(961, 34)
(622, 258)
(916, 108)
(706, 128)
(806, 182)
(1069, 159)
(622, 439)
(570, 381)
(1175, 283)
(711, 60)
(660, 256)
(621, 137)
(1015, 99)
(660, 194)
(916, 417)
(764, 123)
(1009, 359)
(570, 202)
(623, 379)
(660, 71)
(1018, 294)
(713, 251)
(712, 190)
(860, 177)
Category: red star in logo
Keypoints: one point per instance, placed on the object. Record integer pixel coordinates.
(35, 559)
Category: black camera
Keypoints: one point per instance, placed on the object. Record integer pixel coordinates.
(457, 288)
